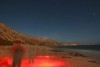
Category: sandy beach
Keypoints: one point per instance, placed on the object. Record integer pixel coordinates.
(67, 58)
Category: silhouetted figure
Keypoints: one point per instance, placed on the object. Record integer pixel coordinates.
(18, 53)
(31, 54)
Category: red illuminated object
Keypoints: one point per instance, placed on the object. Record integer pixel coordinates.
(39, 61)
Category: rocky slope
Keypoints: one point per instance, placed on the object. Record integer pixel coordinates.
(8, 35)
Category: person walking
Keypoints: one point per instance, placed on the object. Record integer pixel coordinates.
(18, 52)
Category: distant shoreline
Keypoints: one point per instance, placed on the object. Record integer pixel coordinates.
(82, 47)
(94, 54)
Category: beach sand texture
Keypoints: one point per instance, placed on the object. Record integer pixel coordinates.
(71, 59)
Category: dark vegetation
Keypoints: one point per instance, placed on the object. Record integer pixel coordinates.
(5, 42)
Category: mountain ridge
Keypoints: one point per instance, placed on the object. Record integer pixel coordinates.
(9, 35)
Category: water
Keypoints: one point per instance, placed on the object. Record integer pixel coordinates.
(89, 53)
(92, 51)
(83, 47)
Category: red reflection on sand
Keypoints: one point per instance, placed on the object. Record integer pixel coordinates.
(39, 61)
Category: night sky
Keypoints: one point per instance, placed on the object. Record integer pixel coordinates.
(61, 20)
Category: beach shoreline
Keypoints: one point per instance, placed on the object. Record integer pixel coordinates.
(73, 57)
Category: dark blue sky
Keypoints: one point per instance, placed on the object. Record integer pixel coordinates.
(61, 20)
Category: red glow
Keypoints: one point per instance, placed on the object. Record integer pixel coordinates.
(39, 61)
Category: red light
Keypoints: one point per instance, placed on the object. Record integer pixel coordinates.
(39, 61)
